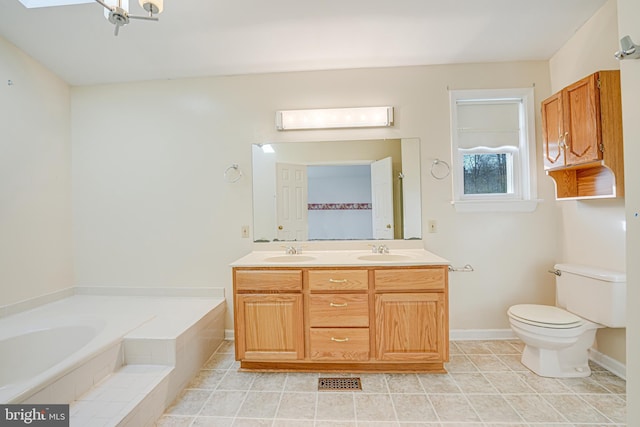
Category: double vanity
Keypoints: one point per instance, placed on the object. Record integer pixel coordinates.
(341, 310)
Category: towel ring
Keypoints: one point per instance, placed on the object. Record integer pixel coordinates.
(232, 173)
(444, 173)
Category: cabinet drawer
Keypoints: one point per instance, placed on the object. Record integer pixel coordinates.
(339, 310)
(339, 344)
(268, 280)
(338, 280)
(427, 279)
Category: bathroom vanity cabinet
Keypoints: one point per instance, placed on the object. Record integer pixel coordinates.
(582, 138)
(356, 318)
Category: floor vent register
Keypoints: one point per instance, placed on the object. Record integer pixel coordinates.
(339, 384)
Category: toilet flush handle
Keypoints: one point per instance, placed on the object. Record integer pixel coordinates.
(556, 272)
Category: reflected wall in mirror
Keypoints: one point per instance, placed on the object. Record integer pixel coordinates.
(337, 190)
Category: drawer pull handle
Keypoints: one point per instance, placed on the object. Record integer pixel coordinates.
(339, 339)
(338, 280)
(333, 304)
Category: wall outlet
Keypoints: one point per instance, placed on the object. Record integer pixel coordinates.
(244, 231)
(433, 226)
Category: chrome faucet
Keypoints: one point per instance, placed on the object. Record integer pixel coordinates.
(380, 249)
(292, 250)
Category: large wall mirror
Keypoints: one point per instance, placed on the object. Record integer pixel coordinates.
(337, 190)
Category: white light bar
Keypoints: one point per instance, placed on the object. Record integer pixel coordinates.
(333, 118)
(49, 3)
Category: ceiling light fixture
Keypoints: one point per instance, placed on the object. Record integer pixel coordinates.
(117, 11)
(334, 118)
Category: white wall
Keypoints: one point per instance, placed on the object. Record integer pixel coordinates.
(35, 184)
(628, 13)
(593, 232)
(151, 207)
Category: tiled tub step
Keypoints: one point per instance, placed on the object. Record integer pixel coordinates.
(133, 396)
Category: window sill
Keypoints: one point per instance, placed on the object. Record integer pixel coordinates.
(495, 205)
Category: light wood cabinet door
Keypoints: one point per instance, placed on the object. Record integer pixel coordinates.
(553, 132)
(269, 327)
(411, 327)
(581, 119)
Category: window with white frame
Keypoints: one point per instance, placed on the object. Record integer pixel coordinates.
(493, 148)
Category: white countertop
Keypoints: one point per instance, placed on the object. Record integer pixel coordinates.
(339, 258)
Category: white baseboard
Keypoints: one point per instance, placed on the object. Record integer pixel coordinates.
(481, 334)
(229, 334)
(610, 364)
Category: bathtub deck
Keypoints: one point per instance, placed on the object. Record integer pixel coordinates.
(147, 352)
(125, 397)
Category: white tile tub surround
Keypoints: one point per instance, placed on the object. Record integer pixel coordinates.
(172, 336)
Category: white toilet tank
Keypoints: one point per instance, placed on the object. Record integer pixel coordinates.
(595, 294)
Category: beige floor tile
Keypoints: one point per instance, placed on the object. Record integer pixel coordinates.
(252, 422)
(189, 402)
(335, 406)
(609, 405)
(404, 383)
(220, 361)
(235, 380)
(468, 396)
(174, 421)
(453, 407)
(373, 383)
(474, 347)
(583, 385)
(533, 408)
(213, 422)
(413, 407)
(223, 403)
(543, 385)
(438, 383)
(610, 381)
(374, 407)
(293, 423)
(574, 409)
(502, 347)
(301, 382)
(260, 404)
(473, 383)
(269, 381)
(513, 362)
(508, 382)
(207, 379)
(493, 407)
(297, 406)
(488, 362)
(460, 363)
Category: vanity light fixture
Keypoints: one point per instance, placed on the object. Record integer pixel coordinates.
(334, 118)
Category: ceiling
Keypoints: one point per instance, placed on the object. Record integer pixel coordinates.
(228, 37)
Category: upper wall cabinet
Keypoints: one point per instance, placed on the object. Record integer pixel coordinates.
(582, 138)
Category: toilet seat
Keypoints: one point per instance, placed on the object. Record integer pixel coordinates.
(545, 316)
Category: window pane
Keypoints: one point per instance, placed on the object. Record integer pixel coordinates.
(487, 173)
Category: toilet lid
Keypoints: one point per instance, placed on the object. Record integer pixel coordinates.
(545, 315)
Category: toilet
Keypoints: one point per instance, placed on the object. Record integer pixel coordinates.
(558, 338)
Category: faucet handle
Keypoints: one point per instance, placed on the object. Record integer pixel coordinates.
(374, 248)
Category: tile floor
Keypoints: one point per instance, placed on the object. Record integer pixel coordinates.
(485, 386)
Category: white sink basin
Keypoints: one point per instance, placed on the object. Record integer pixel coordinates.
(384, 257)
(290, 258)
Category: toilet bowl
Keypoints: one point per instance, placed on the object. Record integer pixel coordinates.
(558, 338)
(556, 341)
